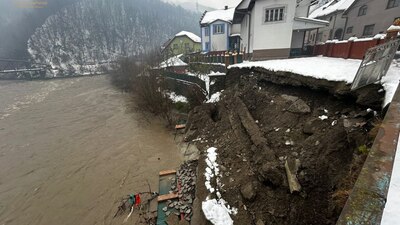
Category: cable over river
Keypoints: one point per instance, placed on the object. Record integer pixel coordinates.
(71, 148)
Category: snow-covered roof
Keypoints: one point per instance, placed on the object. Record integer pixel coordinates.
(331, 7)
(190, 35)
(221, 14)
(173, 61)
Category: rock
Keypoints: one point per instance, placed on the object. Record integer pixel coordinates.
(290, 98)
(167, 213)
(297, 105)
(248, 191)
(271, 174)
(310, 126)
(165, 209)
(260, 222)
(172, 220)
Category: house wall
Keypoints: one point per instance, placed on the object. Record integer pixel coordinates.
(272, 39)
(302, 9)
(297, 39)
(244, 33)
(336, 22)
(218, 42)
(235, 29)
(180, 43)
(376, 14)
(204, 38)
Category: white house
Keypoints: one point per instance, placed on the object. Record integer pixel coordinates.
(217, 32)
(331, 11)
(274, 29)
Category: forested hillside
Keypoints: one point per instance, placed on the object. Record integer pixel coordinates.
(90, 32)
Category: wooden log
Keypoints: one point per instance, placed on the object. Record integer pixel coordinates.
(292, 166)
(167, 172)
(167, 197)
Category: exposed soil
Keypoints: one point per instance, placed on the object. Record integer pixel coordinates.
(258, 126)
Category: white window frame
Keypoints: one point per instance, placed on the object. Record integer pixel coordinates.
(219, 28)
(275, 9)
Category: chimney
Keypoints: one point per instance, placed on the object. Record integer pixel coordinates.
(226, 7)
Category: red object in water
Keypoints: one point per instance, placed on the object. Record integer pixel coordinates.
(137, 200)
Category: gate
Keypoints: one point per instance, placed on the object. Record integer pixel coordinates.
(375, 64)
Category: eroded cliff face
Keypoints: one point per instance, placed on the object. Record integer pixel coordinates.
(260, 125)
(91, 32)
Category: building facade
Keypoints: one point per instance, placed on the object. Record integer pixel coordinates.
(274, 29)
(183, 42)
(217, 31)
(366, 18)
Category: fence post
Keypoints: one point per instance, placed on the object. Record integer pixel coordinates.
(226, 59)
(235, 59)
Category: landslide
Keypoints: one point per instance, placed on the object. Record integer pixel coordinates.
(258, 126)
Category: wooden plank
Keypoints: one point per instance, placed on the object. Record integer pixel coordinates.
(167, 197)
(180, 126)
(167, 172)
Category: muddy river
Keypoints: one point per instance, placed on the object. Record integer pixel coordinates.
(71, 148)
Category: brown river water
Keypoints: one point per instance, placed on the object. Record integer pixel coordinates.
(71, 148)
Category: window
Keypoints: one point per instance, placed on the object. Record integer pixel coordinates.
(275, 14)
(338, 34)
(187, 46)
(368, 30)
(206, 31)
(349, 30)
(219, 28)
(363, 10)
(392, 4)
(207, 46)
(175, 46)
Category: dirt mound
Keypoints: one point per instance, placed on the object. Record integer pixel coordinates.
(258, 127)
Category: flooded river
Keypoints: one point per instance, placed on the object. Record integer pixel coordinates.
(70, 149)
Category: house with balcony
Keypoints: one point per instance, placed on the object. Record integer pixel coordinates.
(366, 18)
(272, 29)
(217, 31)
(183, 42)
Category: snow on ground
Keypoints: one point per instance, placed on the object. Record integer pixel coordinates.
(216, 210)
(214, 97)
(173, 61)
(177, 98)
(391, 212)
(206, 78)
(328, 68)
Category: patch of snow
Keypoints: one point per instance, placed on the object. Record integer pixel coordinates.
(323, 117)
(190, 35)
(391, 212)
(363, 39)
(173, 61)
(177, 98)
(216, 210)
(214, 97)
(221, 14)
(334, 123)
(330, 7)
(332, 69)
(380, 36)
(335, 69)
(393, 28)
(352, 38)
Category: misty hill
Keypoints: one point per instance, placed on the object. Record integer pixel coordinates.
(94, 31)
(192, 6)
(17, 24)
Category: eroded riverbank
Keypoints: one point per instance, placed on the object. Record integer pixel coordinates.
(70, 149)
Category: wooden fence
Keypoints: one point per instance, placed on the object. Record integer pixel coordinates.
(349, 49)
(221, 57)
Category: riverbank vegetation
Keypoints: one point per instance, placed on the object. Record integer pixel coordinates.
(151, 90)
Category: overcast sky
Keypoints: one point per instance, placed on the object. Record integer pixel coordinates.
(218, 4)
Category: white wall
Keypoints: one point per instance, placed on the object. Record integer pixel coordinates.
(273, 35)
(302, 9)
(204, 39)
(219, 42)
(235, 29)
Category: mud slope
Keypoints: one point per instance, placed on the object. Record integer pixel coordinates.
(258, 126)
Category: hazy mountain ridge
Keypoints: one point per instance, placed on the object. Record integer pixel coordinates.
(94, 31)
